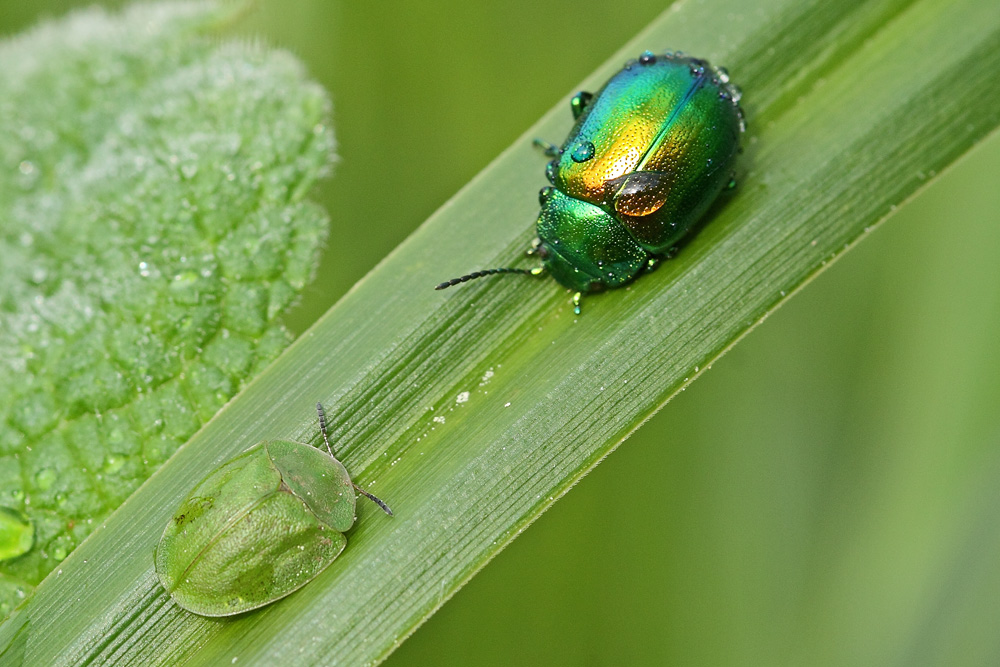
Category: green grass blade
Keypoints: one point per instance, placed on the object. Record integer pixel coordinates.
(474, 410)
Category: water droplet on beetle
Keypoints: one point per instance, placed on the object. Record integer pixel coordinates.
(583, 151)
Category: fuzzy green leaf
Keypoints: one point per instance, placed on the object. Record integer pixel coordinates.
(152, 230)
(474, 410)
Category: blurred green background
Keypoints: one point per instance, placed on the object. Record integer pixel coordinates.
(829, 494)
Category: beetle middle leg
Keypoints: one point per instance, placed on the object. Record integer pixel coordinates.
(655, 260)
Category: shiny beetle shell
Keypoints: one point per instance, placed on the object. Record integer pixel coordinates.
(648, 155)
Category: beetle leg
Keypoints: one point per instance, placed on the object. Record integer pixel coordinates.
(576, 302)
(579, 103)
(551, 150)
(655, 260)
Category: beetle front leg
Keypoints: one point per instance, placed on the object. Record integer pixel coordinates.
(580, 102)
(551, 150)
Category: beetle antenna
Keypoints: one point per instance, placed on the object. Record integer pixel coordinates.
(326, 439)
(322, 428)
(489, 272)
(374, 499)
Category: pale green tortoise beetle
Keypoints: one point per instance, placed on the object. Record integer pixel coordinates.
(258, 527)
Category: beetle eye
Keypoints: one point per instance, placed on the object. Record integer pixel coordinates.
(543, 251)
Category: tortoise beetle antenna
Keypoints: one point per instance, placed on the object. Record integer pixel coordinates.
(326, 439)
(537, 271)
(322, 428)
(374, 499)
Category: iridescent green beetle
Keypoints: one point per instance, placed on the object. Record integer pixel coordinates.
(258, 528)
(648, 155)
